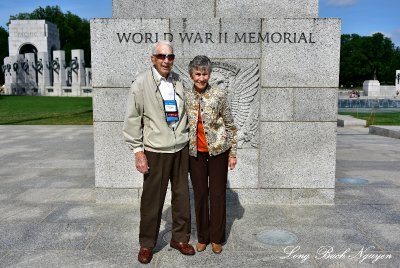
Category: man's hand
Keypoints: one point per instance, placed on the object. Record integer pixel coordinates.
(141, 163)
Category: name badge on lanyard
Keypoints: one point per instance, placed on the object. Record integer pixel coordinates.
(171, 110)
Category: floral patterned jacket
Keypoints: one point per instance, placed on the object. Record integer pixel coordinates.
(219, 128)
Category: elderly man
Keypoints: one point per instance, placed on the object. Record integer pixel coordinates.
(156, 130)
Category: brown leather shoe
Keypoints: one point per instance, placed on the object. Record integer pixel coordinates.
(145, 255)
(184, 248)
(216, 248)
(200, 247)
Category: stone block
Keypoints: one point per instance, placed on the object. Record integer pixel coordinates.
(130, 52)
(267, 9)
(119, 196)
(297, 154)
(245, 175)
(298, 104)
(300, 53)
(315, 104)
(146, 9)
(109, 104)
(277, 104)
(372, 88)
(114, 161)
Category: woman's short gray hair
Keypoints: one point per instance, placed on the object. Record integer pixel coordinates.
(159, 43)
(200, 62)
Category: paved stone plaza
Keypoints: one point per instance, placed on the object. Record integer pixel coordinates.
(49, 217)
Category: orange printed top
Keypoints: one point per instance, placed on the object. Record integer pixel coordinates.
(201, 138)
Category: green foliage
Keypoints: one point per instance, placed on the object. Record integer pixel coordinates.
(377, 118)
(366, 58)
(3, 50)
(41, 110)
(74, 31)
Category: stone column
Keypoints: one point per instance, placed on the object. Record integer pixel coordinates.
(43, 72)
(59, 72)
(7, 75)
(19, 87)
(88, 76)
(78, 71)
(30, 74)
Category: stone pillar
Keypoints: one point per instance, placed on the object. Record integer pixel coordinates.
(43, 72)
(279, 64)
(59, 72)
(31, 75)
(19, 87)
(7, 68)
(372, 88)
(78, 71)
(88, 76)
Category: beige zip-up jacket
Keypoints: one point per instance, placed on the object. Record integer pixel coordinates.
(220, 130)
(145, 125)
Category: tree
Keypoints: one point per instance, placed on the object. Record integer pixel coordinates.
(74, 31)
(3, 50)
(366, 58)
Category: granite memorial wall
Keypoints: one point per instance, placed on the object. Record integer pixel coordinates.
(279, 63)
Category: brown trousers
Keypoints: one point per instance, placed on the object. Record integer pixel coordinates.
(209, 176)
(165, 167)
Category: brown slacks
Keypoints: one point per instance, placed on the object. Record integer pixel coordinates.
(209, 176)
(165, 167)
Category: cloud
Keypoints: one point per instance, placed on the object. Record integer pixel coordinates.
(341, 3)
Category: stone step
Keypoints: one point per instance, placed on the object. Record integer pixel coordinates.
(350, 121)
(387, 131)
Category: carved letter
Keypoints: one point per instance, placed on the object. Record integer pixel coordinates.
(124, 37)
(286, 37)
(262, 38)
(140, 38)
(252, 37)
(185, 36)
(302, 37)
(170, 37)
(310, 39)
(198, 37)
(209, 37)
(239, 39)
(279, 37)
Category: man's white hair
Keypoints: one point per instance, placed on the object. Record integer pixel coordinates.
(159, 43)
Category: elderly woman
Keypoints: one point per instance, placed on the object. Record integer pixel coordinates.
(212, 148)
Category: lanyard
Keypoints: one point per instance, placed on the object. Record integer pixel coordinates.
(170, 106)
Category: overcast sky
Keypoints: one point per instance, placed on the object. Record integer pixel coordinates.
(363, 17)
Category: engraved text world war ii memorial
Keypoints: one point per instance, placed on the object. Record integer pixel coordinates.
(279, 63)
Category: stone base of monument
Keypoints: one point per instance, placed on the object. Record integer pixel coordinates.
(371, 88)
(235, 196)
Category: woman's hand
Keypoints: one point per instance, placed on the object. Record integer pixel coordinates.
(232, 162)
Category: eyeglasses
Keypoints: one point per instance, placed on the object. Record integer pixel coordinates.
(164, 56)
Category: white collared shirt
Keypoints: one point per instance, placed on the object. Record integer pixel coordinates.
(167, 90)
